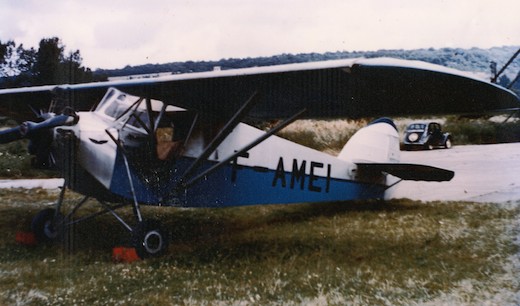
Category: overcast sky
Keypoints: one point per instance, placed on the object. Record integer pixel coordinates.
(112, 34)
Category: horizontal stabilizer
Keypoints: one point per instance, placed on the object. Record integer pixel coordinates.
(409, 172)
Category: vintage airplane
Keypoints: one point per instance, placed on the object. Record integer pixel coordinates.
(181, 140)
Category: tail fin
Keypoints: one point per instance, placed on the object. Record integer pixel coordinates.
(378, 142)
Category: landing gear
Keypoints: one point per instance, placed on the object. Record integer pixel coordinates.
(147, 236)
(46, 225)
(149, 239)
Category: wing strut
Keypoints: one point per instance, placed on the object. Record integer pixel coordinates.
(248, 147)
(221, 136)
(137, 209)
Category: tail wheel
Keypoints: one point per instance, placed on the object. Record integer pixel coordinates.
(46, 225)
(149, 239)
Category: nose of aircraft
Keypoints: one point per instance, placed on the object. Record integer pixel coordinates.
(40, 135)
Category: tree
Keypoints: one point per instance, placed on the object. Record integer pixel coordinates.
(26, 59)
(15, 60)
(53, 67)
(72, 71)
(7, 59)
(48, 60)
(3, 51)
(47, 65)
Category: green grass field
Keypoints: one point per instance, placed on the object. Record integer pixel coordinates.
(358, 253)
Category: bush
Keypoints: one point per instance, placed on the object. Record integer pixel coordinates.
(481, 131)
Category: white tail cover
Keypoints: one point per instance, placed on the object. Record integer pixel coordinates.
(378, 142)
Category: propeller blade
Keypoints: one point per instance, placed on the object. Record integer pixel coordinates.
(28, 128)
(10, 135)
(52, 122)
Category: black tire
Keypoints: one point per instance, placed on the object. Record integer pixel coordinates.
(448, 144)
(148, 239)
(45, 225)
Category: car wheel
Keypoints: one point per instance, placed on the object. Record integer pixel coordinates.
(447, 143)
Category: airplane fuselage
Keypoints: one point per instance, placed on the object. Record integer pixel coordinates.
(127, 162)
(275, 171)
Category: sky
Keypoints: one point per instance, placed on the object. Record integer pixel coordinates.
(115, 33)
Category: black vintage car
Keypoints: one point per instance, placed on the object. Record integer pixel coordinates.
(426, 135)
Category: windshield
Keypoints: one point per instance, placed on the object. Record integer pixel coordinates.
(133, 110)
(117, 107)
(417, 126)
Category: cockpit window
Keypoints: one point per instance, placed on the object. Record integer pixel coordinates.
(134, 111)
(117, 107)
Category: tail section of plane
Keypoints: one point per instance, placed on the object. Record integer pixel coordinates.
(378, 142)
(375, 151)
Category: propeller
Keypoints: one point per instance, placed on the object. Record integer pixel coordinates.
(29, 129)
(40, 135)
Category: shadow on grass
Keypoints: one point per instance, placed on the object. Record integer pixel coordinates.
(258, 232)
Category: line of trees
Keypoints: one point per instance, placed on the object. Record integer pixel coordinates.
(49, 64)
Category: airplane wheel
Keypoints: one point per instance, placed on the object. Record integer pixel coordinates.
(44, 225)
(149, 239)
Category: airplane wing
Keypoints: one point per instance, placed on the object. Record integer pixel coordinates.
(350, 88)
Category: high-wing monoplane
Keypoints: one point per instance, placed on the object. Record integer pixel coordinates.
(180, 140)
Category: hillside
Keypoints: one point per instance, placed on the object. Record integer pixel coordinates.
(474, 60)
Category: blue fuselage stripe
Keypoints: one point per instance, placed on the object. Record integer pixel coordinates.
(241, 185)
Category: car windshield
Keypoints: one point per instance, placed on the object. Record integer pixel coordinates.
(417, 126)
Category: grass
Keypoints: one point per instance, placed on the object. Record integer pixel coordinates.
(399, 252)
(481, 131)
(15, 162)
(323, 135)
